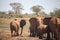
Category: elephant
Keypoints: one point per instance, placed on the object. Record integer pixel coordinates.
(42, 25)
(42, 29)
(33, 26)
(14, 27)
(54, 26)
(39, 26)
(22, 24)
(46, 21)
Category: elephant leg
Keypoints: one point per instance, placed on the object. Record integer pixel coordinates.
(21, 30)
(40, 36)
(59, 36)
(55, 36)
(31, 33)
(48, 36)
(11, 33)
(17, 33)
(35, 33)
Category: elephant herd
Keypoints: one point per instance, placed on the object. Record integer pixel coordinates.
(38, 27)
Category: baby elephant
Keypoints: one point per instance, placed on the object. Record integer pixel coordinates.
(22, 24)
(14, 27)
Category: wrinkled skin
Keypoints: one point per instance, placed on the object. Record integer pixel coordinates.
(54, 26)
(33, 26)
(43, 27)
(14, 26)
(37, 27)
(58, 28)
(46, 21)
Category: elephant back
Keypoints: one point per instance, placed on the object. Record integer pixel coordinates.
(22, 23)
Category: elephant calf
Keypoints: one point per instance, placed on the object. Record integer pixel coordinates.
(22, 24)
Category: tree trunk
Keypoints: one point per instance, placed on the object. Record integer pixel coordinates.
(37, 14)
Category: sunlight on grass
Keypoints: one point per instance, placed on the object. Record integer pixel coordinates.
(6, 26)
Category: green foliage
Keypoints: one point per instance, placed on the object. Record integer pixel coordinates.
(37, 9)
(3, 15)
(10, 15)
(13, 15)
(17, 7)
(56, 12)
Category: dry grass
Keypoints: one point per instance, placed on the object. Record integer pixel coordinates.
(5, 30)
(5, 35)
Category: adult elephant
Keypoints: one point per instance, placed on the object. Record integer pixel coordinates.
(37, 28)
(54, 26)
(40, 26)
(43, 27)
(58, 28)
(33, 26)
(46, 25)
(46, 21)
(14, 26)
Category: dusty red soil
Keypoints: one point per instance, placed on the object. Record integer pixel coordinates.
(5, 35)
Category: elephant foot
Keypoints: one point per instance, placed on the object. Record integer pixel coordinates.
(16, 35)
(48, 39)
(40, 37)
(31, 35)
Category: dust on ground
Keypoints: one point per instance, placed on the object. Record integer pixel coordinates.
(6, 35)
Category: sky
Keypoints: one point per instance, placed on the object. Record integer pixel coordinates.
(48, 5)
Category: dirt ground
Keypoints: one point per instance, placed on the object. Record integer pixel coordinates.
(5, 35)
(5, 31)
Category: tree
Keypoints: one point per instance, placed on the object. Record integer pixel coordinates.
(37, 9)
(52, 14)
(17, 7)
(56, 12)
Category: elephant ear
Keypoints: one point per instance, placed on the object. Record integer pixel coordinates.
(22, 23)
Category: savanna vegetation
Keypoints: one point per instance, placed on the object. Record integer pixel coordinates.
(6, 17)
